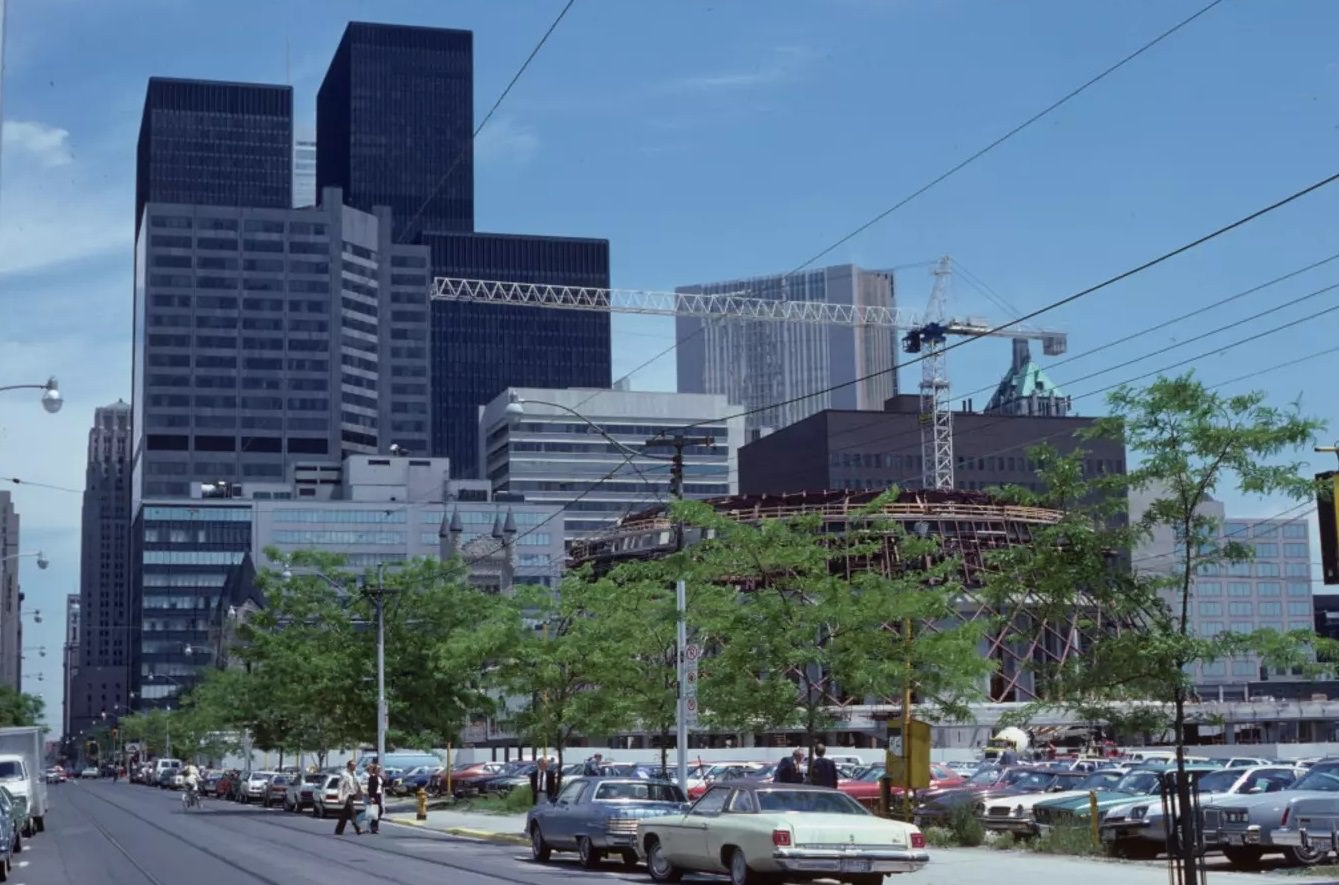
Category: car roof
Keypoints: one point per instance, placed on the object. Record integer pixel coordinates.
(771, 785)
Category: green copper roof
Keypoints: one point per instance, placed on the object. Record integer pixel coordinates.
(1024, 380)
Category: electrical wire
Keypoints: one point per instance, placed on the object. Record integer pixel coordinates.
(954, 170)
(468, 147)
(39, 485)
(1062, 302)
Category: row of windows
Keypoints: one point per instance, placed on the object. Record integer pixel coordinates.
(1249, 569)
(380, 517)
(1247, 609)
(1296, 529)
(482, 517)
(227, 262)
(231, 342)
(336, 537)
(248, 225)
(1216, 628)
(229, 302)
(1270, 550)
(182, 579)
(1244, 588)
(192, 557)
(197, 514)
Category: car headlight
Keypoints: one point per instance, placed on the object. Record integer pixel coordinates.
(1139, 812)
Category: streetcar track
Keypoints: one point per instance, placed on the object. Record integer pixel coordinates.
(324, 856)
(134, 862)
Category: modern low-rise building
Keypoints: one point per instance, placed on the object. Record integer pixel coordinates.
(586, 451)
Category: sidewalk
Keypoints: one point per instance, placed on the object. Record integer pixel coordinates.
(509, 828)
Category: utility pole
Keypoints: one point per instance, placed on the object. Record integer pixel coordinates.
(378, 595)
(679, 442)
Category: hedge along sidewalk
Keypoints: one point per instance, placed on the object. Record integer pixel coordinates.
(508, 828)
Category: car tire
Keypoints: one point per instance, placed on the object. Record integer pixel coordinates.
(540, 852)
(629, 859)
(660, 869)
(740, 871)
(590, 855)
(1242, 857)
(1303, 857)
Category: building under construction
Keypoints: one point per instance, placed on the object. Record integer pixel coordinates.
(968, 525)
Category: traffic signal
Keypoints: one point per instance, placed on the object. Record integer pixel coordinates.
(1327, 513)
(91, 748)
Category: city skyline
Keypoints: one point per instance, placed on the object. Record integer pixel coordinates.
(1052, 257)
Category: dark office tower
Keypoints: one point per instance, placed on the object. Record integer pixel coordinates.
(478, 350)
(394, 120)
(215, 144)
(107, 618)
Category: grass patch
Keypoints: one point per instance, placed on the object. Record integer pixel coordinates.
(515, 802)
(1075, 841)
(966, 829)
(940, 837)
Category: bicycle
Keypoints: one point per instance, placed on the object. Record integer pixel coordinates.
(190, 798)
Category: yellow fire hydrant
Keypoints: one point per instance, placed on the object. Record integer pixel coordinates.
(422, 797)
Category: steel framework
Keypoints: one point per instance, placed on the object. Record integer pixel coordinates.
(1025, 641)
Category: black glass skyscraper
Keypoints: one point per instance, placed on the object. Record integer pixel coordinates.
(394, 121)
(478, 350)
(208, 143)
(394, 118)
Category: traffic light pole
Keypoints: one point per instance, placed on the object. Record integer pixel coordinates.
(679, 442)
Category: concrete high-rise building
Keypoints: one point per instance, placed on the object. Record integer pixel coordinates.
(1272, 590)
(11, 597)
(70, 663)
(214, 144)
(304, 169)
(551, 456)
(265, 338)
(395, 121)
(394, 118)
(756, 363)
(110, 623)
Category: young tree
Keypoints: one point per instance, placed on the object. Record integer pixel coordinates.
(1186, 444)
(18, 708)
(823, 617)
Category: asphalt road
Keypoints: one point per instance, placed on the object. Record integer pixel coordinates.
(99, 833)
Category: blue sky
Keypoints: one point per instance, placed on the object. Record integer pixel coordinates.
(709, 139)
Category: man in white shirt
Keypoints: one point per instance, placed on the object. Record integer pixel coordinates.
(349, 790)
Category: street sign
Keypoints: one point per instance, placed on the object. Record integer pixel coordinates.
(692, 653)
(690, 712)
(690, 684)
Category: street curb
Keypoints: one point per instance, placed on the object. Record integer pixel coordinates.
(485, 835)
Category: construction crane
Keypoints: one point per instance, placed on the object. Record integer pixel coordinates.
(927, 332)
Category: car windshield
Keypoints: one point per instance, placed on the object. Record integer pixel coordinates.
(643, 791)
(1219, 781)
(1102, 780)
(812, 801)
(985, 777)
(11, 769)
(1322, 781)
(1138, 782)
(1029, 780)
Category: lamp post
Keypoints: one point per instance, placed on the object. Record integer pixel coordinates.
(51, 397)
(378, 596)
(678, 442)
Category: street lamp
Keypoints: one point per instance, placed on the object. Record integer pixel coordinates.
(42, 561)
(51, 398)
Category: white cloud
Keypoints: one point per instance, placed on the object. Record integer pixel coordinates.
(504, 140)
(48, 145)
(783, 64)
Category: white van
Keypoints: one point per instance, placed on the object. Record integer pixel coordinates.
(161, 765)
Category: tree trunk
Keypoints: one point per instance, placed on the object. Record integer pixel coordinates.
(664, 750)
(1186, 824)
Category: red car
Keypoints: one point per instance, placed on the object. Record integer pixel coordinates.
(864, 788)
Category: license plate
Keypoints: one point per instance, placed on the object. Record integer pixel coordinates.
(855, 865)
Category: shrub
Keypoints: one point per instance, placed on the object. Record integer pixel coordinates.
(965, 826)
(1072, 840)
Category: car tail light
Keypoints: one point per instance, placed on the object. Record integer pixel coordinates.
(781, 838)
(917, 840)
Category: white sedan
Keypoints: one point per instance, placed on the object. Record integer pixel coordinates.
(1013, 814)
(760, 832)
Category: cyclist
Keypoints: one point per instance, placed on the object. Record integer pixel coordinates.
(190, 778)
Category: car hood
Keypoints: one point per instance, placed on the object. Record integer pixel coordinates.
(1107, 799)
(1265, 800)
(1027, 800)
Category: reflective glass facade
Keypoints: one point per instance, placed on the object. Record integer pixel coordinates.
(215, 144)
(182, 556)
(480, 349)
(394, 119)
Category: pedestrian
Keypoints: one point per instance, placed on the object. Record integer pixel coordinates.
(349, 790)
(594, 766)
(375, 806)
(822, 771)
(537, 780)
(788, 771)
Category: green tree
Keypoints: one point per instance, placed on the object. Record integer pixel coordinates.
(825, 617)
(1187, 444)
(562, 665)
(19, 709)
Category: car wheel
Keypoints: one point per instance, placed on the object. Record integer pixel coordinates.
(658, 865)
(1305, 857)
(740, 874)
(539, 849)
(589, 854)
(1242, 857)
(629, 859)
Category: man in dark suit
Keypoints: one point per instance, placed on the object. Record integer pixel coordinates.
(788, 771)
(822, 771)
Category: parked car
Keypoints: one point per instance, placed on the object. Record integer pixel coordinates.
(1138, 828)
(1073, 811)
(1013, 814)
(752, 829)
(1244, 826)
(864, 787)
(255, 787)
(939, 806)
(301, 791)
(325, 800)
(599, 816)
(277, 789)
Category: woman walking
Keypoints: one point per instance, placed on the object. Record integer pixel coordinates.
(375, 807)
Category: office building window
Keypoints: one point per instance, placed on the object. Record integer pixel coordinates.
(1298, 588)
(1211, 609)
(1295, 530)
(1297, 569)
(1240, 609)
(1299, 609)
(1210, 628)
(1269, 588)
(1269, 609)
(1236, 529)
(1239, 569)
(1266, 530)
(1216, 668)
(1245, 668)
(1266, 551)
(1238, 588)
(1296, 551)
(1208, 588)
(1267, 569)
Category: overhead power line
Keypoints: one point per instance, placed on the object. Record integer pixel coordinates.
(469, 145)
(954, 170)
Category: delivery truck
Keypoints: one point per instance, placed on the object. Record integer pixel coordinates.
(21, 771)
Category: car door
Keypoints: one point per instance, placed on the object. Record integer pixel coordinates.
(560, 821)
(688, 846)
(726, 828)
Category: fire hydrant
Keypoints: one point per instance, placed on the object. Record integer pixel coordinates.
(422, 797)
